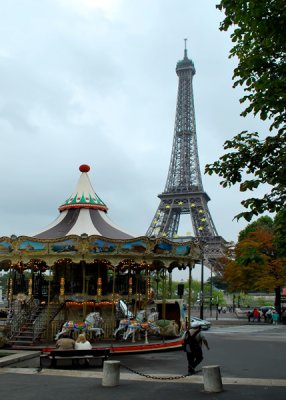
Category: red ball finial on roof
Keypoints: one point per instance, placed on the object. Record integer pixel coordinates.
(84, 168)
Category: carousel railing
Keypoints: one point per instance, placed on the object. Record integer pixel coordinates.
(15, 324)
(22, 315)
(34, 317)
(42, 322)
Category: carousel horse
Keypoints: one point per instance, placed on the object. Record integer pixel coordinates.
(168, 328)
(129, 327)
(92, 324)
(148, 328)
(163, 327)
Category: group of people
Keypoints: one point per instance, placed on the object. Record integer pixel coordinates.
(193, 342)
(68, 343)
(271, 316)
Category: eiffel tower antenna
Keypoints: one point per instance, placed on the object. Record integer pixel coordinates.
(183, 192)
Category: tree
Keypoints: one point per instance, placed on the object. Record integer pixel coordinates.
(264, 222)
(259, 45)
(280, 233)
(256, 264)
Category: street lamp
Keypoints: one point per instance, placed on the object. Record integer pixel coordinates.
(211, 292)
(202, 284)
(201, 242)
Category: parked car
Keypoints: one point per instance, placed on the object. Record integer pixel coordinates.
(204, 323)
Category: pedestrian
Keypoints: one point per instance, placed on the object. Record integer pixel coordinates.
(193, 341)
(256, 315)
(268, 315)
(65, 342)
(82, 343)
(275, 317)
(283, 315)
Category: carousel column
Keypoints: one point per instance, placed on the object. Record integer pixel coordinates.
(130, 283)
(82, 264)
(164, 294)
(49, 302)
(10, 292)
(98, 284)
(62, 288)
(147, 295)
(30, 265)
(170, 282)
(30, 286)
(113, 317)
(136, 292)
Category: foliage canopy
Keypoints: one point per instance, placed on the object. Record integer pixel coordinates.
(257, 262)
(259, 44)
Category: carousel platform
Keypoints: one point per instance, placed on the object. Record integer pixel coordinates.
(117, 347)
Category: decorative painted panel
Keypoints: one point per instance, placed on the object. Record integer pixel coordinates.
(67, 246)
(101, 246)
(29, 246)
(137, 246)
(163, 248)
(5, 248)
(183, 250)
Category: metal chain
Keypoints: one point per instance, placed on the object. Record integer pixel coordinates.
(166, 378)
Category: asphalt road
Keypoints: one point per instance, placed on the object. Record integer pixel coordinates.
(250, 353)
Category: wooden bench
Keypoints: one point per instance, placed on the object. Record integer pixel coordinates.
(77, 357)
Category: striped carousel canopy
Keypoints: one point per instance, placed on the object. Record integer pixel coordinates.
(83, 213)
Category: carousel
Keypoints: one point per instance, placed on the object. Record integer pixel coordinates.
(84, 273)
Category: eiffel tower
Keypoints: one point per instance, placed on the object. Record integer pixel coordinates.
(184, 193)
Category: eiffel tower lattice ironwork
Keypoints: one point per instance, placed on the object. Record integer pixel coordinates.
(184, 193)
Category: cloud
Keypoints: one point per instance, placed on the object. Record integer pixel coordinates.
(94, 82)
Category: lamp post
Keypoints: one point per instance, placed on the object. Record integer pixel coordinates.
(211, 292)
(202, 243)
(202, 285)
(189, 297)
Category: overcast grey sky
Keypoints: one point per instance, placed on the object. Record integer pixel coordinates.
(93, 81)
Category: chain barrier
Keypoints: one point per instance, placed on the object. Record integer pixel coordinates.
(166, 378)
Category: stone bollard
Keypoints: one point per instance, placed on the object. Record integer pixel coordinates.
(111, 373)
(212, 378)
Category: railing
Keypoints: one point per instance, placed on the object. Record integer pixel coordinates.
(21, 317)
(42, 322)
(15, 324)
(37, 315)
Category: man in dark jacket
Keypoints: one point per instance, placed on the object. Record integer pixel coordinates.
(193, 341)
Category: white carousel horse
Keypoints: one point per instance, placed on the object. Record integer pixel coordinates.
(149, 328)
(92, 324)
(166, 328)
(129, 327)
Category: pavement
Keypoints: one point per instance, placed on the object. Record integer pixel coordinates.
(31, 384)
(250, 356)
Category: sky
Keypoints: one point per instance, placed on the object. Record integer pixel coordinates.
(94, 82)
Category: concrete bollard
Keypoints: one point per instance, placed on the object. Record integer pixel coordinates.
(111, 373)
(212, 379)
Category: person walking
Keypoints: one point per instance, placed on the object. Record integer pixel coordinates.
(193, 341)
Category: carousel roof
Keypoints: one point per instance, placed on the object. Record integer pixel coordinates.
(83, 213)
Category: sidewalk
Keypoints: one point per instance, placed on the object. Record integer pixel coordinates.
(31, 384)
